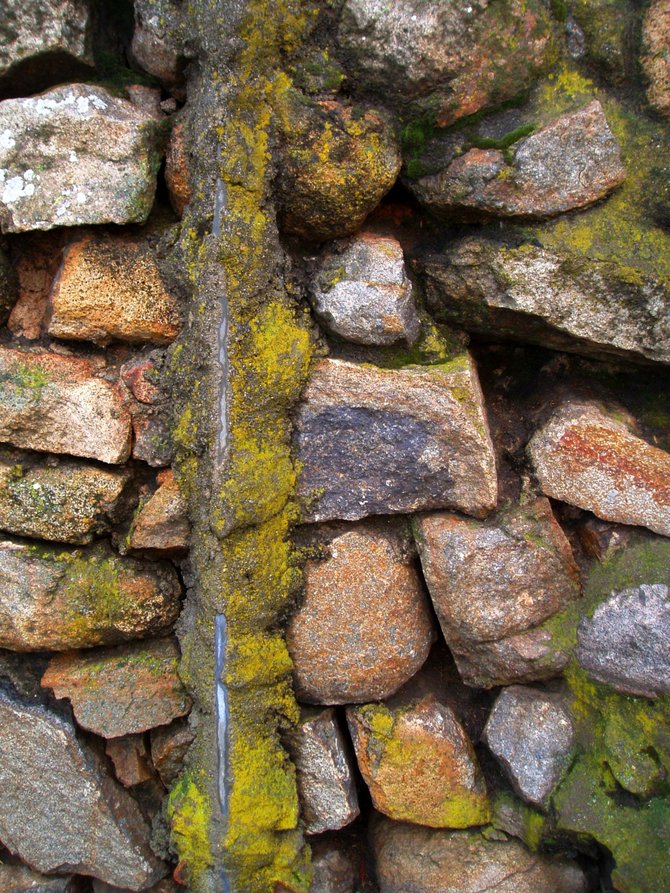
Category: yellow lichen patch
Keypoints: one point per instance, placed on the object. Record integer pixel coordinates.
(188, 812)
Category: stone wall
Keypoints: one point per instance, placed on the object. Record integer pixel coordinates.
(335, 446)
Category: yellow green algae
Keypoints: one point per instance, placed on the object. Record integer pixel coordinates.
(241, 364)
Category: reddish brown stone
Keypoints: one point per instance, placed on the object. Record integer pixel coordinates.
(162, 523)
(139, 376)
(36, 266)
(169, 745)
(655, 59)
(121, 691)
(131, 760)
(363, 628)
(177, 174)
(110, 288)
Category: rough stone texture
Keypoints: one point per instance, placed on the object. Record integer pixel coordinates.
(75, 155)
(121, 691)
(411, 859)
(169, 745)
(655, 60)
(55, 31)
(450, 60)
(556, 299)
(337, 163)
(130, 756)
(532, 735)
(587, 458)
(625, 642)
(363, 628)
(570, 163)
(161, 525)
(68, 502)
(57, 599)
(151, 410)
(335, 868)
(419, 764)
(325, 775)
(493, 581)
(21, 879)
(177, 172)
(37, 258)
(606, 28)
(110, 288)
(54, 403)
(92, 826)
(361, 292)
(157, 39)
(374, 441)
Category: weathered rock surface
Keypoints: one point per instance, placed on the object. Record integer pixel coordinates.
(21, 879)
(92, 827)
(655, 61)
(37, 258)
(68, 502)
(335, 869)
(361, 292)
(161, 525)
(110, 288)
(338, 162)
(587, 458)
(121, 691)
(375, 441)
(625, 642)
(151, 413)
(532, 735)
(157, 43)
(57, 599)
(419, 764)
(363, 628)
(491, 582)
(606, 27)
(8, 283)
(556, 299)
(448, 60)
(169, 745)
(177, 174)
(75, 155)
(411, 859)
(325, 776)
(570, 163)
(132, 764)
(56, 404)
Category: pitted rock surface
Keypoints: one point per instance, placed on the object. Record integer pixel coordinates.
(363, 628)
(75, 155)
(53, 403)
(161, 525)
(376, 441)
(532, 735)
(587, 458)
(326, 782)
(21, 879)
(94, 827)
(655, 62)
(361, 292)
(58, 599)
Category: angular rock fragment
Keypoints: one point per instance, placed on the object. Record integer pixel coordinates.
(152, 412)
(91, 826)
(361, 292)
(121, 691)
(57, 599)
(326, 784)
(110, 288)
(38, 256)
(75, 155)
(492, 582)
(445, 60)
(557, 299)
(587, 458)
(363, 628)
(532, 735)
(423, 860)
(177, 172)
(338, 162)
(419, 764)
(22, 879)
(55, 404)
(157, 43)
(625, 642)
(169, 745)
(68, 502)
(572, 162)
(161, 525)
(655, 61)
(132, 764)
(375, 441)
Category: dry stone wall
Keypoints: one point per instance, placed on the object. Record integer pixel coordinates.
(335, 446)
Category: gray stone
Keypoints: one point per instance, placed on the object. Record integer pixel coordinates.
(21, 879)
(75, 155)
(559, 300)
(158, 39)
(587, 458)
(572, 162)
(625, 642)
(411, 859)
(60, 811)
(335, 867)
(325, 775)
(361, 292)
(532, 735)
(375, 441)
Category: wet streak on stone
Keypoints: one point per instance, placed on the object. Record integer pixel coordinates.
(222, 725)
(220, 201)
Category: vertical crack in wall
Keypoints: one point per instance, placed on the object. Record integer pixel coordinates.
(237, 371)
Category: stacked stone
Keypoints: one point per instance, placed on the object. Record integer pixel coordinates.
(93, 724)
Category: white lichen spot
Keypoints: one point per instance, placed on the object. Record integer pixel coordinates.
(81, 198)
(7, 140)
(82, 105)
(17, 188)
(73, 156)
(97, 103)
